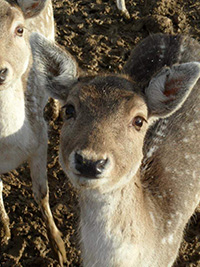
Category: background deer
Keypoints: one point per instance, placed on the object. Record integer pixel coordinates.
(130, 145)
(23, 131)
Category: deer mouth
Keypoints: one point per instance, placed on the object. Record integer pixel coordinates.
(4, 86)
(88, 177)
(84, 182)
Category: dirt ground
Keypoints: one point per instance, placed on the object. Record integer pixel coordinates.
(101, 39)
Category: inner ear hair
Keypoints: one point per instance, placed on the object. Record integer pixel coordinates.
(169, 89)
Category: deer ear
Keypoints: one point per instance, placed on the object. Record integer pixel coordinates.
(31, 8)
(55, 69)
(169, 89)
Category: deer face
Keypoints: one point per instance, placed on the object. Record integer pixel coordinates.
(102, 136)
(14, 38)
(14, 47)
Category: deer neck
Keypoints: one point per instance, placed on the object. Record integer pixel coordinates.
(12, 109)
(111, 224)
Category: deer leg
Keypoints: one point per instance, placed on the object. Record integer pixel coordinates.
(122, 7)
(4, 220)
(56, 108)
(41, 195)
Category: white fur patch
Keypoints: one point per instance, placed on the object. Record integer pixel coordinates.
(12, 113)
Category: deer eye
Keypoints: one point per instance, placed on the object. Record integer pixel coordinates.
(138, 122)
(69, 111)
(19, 31)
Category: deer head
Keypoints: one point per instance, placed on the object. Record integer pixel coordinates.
(107, 116)
(14, 45)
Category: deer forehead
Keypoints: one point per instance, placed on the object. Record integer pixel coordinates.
(8, 16)
(4, 8)
(108, 96)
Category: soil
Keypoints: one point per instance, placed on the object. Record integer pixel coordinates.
(101, 39)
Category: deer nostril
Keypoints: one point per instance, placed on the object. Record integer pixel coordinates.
(100, 165)
(3, 75)
(78, 159)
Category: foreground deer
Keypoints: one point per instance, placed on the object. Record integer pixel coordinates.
(23, 131)
(130, 145)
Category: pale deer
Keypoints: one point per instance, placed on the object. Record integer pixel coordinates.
(23, 131)
(130, 144)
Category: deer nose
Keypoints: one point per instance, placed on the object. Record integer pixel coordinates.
(3, 75)
(89, 168)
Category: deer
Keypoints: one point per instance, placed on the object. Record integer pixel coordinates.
(23, 130)
(130, 146)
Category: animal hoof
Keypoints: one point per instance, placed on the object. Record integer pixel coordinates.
(4, 233)
(58, 248)
(125, 14)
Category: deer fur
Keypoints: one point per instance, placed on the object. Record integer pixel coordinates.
(130, 145)
(23, 130)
